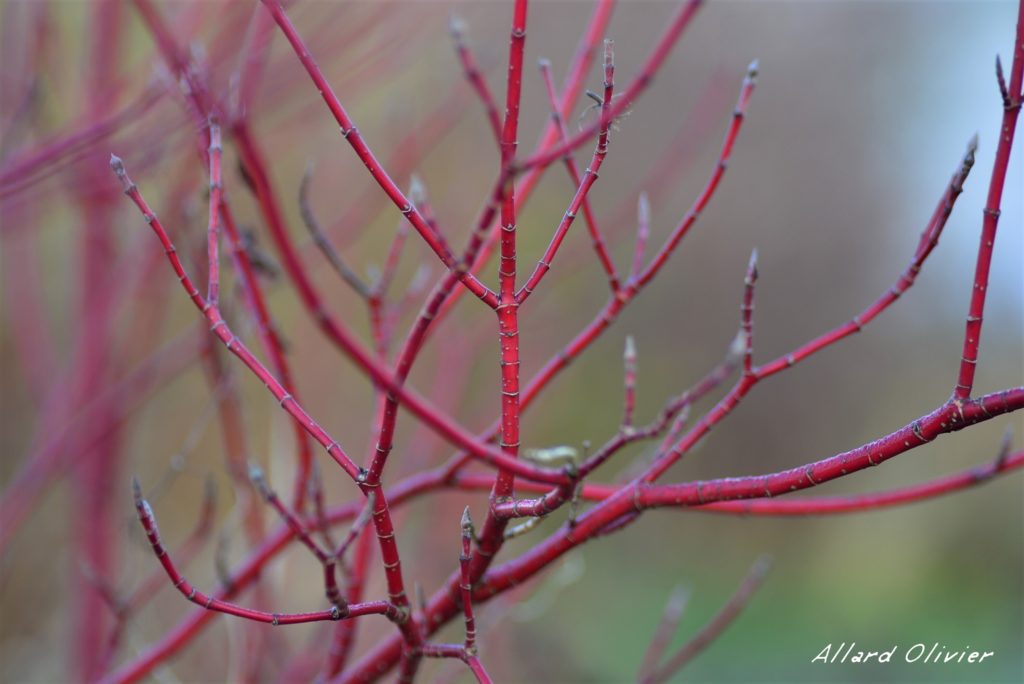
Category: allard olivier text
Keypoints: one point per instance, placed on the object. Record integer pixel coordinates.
(917, 653)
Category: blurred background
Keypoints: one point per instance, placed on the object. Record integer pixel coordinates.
(862, 113)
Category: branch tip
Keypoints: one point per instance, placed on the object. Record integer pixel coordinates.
(677, 602)
(1004, 448)
(736, 347)
(543, 63)
(457, 27)
(754, 69)
(259, 481)
(968, 161)
(629, 354)
(1004, 92)
(762, 565)
(752, 267)
(467, 523)
(684, 415)
(136, 490)
(972, 146)
(417, 191)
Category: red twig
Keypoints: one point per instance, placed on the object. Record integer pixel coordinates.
(534, 508)
(651, 66)
(351, 134)
(124, 608)
(747, 313)
(739, 114)
(929, 239)
(753, 375)
(213, 225)
(617, 505)
(1012, 96)
(419, 485)
(290, 519)
(457, 27)
(573, 86)
(589, 177)
(220, 328)
(670, 617)
(468, 651)
(467, 586)
(715, 627)
(323, 242)
(629, 381)
(347, 342)
(869, 502)
(492, 535)
(212, 603)
(201, 106)
(643, 232)
(574, 174)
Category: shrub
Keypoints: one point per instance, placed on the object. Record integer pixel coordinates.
(507, 506)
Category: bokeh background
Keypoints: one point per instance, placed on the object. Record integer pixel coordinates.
(861, 114)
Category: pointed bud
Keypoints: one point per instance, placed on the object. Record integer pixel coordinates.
(677, 601)
(259, 481)
(417, 191)
(762, 565)
(1004, 92)
(629, 354)
(972, 148)
(681, 419)
(752, 268)
(457, 27)
(737, 347)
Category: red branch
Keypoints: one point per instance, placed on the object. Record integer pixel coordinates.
(487, 566)
(730, 611)
(1013, 96)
